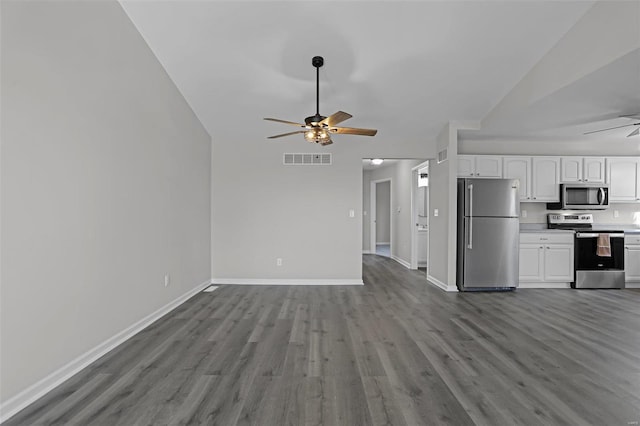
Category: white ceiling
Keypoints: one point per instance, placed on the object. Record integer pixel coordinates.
(405, 68)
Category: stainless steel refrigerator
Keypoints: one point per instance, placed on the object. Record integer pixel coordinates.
(488, 234)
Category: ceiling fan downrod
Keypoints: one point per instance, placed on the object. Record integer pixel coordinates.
(317, 61)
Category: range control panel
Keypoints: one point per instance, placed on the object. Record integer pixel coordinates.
(570, 219)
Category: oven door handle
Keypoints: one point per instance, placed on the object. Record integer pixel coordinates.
(596, 235)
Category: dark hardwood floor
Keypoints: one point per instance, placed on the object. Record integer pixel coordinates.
(395, 351)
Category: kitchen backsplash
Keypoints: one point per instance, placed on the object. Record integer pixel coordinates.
(627, 213)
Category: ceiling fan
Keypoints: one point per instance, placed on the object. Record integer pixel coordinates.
(634, 133)
(318, 128)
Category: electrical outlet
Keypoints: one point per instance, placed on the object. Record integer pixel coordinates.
(435, 212)
(352, 213)
(279, 261)
(616, 213)
(167, 280)
(523, 213)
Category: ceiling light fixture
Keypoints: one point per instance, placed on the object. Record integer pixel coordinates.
(317, 135)
(377, 161)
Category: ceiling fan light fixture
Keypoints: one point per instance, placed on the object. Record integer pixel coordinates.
(377, 161)
(316, 135)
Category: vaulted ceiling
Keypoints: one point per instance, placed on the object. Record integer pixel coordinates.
(540, 69)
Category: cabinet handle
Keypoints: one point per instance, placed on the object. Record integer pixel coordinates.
(548, 247)
(534, 198)
(477, 174)
(541, 247)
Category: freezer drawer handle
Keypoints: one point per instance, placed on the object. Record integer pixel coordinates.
(470, 246)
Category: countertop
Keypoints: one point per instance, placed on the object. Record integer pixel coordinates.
(542, 227)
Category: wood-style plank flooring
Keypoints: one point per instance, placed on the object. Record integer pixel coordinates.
(395, 351)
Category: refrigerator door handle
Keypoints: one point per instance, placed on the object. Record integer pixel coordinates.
(470, 245)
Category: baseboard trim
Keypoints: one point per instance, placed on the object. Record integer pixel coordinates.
(286, 281)
(442, 286)
(383, 243)
(632, 285)
(28, 396)
(543, 285)
(401, 261)
(366, 252)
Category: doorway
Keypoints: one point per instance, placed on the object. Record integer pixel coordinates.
(420, 216)
(381, 230)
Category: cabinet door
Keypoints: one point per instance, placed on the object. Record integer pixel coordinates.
(488, 166)
(466, 166)
(531, 262)
(593, 169)
(545, 179)
(570, 169)
(558, 262)
(631, 263)
(623, 179)
(519, 168)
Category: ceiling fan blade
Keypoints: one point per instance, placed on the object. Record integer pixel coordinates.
(635, 132)
(336, 118)
(610, 128)
(636, 115)
(285, 122)
(286, 134)
(353, 131)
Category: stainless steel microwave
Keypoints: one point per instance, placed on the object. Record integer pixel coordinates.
(582, 196)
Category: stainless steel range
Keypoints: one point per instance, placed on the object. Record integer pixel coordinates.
(599, 252)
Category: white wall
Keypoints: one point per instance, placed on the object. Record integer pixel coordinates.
(383, 210)
(366, 211)
(442, 197)
(526, 147)
(105, 185)
(263, 210)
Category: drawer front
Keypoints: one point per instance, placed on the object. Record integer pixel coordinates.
(546, 237)
(632, 239)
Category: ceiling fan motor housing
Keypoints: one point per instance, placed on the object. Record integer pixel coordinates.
(317, 61)
(314, 120)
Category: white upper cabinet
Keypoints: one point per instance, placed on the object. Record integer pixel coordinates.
(519, 168)
(545, 179)
(623, 178)
(487, 166)
(570, 169)
(466, 166)
(581, 169)
(593, 169)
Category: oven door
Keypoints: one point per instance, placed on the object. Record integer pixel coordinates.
(586, 258)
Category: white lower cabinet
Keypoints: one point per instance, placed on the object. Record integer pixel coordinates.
(546, 259)
(531, 262)
(632, 260)
(558, 262)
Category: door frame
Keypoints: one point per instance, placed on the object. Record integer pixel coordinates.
(414, 213)
(372, 216)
